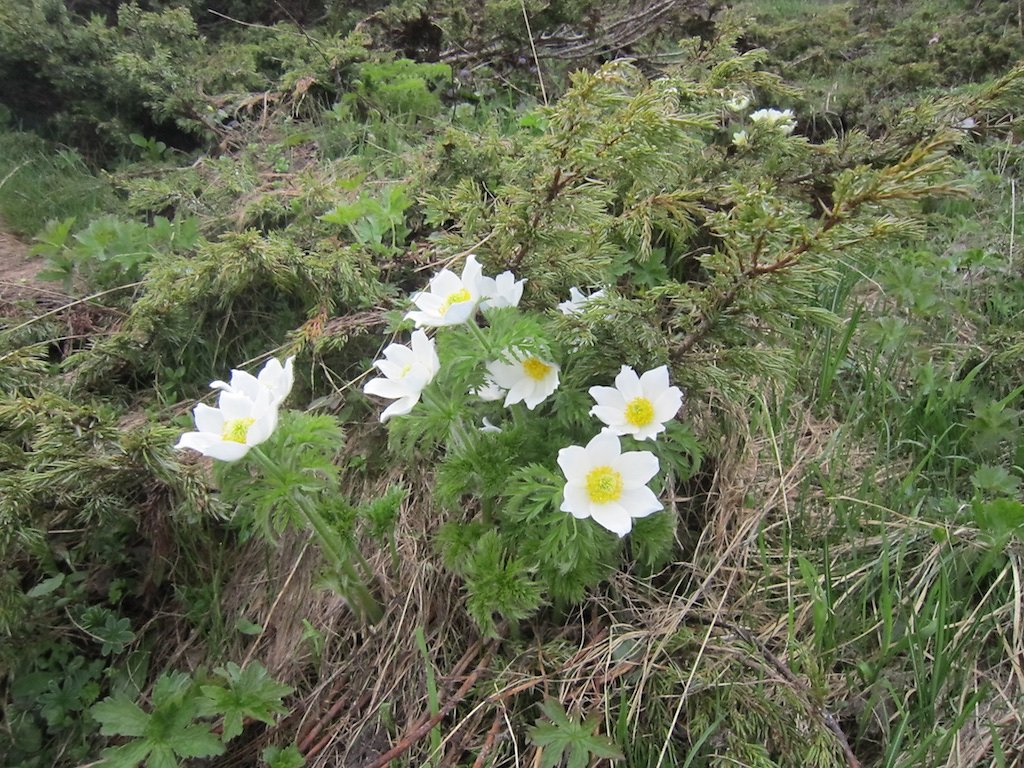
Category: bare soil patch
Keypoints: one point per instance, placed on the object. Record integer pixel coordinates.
(19, 274)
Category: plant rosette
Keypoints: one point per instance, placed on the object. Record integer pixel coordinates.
(607, 485)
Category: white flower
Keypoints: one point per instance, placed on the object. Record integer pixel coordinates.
(577, 300)
(784, 120)
(637, 405)
(228, 431)
(488, 427)
(741, 139)
(489, 390)
(501, 291)
(449, 299)
(528, 379)
(608, 485)
(407, 371)
(738, 102)
(274, 377)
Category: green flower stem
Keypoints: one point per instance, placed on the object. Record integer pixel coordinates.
(477, 332)
(356, 592)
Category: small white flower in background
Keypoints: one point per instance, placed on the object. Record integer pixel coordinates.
(449, 298)
(276, 378)
(488, 427)
(489, 391)
(407, 371)
(608, 485)
(741, 139)
(238, 423)
(527, 378)
(784, 119)
(637, 405)
(577, 301)
(738, 102)
(501, 291)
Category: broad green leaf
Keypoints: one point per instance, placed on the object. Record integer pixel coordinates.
(126, 755)
(119, 716)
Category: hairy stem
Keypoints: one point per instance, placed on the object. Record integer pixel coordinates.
(356, 592)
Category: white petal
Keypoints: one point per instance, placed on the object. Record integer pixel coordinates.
(278, 378)
(472, 274)
(637, 467)
(488, 427)
(214, 447)
(613, 417)
(208, 419)
(535, 397)
(612, 516)
(648, 431)
(603, 449)
(388, 388)
(608, 397)
(575, 501)
(390, 369)
(429, 302)
(574, 463)
(519, 391)
(236, 406)
(488, 286)
(628, 383)
(505, 375)
(244, 383)
(640, 502)
(654, 381)
(399, 354)
(489, 391)
(459, 313)
(445, 283)
(668, 403)
(568, 308)
(399, 407)
(262, 428)
(425, 351)
(424, 319)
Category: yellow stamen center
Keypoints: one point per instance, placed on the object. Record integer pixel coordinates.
(236, 430)
(458, 297)
(604, 484)
(536, 369)
(405, 371)
(639, 412)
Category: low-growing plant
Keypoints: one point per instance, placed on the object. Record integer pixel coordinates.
(110, 251)
(175, 728)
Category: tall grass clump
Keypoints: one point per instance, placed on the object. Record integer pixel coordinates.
(28, 165)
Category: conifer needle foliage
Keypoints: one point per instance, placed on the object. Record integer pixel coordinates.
(501, 266)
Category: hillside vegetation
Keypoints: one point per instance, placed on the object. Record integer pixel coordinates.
(408, 542)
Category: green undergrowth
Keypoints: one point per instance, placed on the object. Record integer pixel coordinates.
(862, 62)
(28, 165)
(837, 569)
